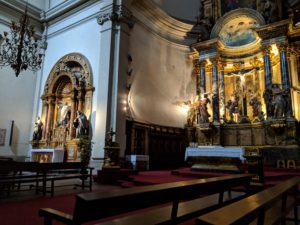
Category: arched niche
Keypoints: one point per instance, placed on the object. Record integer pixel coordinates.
(68, 89)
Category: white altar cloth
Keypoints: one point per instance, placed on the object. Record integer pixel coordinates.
(57, 154)
(235, 152)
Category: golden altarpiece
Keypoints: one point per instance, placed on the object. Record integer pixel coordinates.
(67, 91)
(247, 74)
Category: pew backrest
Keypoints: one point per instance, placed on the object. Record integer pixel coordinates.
(253, 207)
(93, 206)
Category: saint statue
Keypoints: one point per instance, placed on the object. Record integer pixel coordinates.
(203, 112)
(81, 124)
(256, 106)
(191, 114)
(64, 114)
(233, 105)
(278, 102)
(38, 129)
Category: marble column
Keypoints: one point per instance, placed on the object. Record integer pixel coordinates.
(267, 68)
(202, 82)
(285, 80)
(268, 82)
(222, 91)
(215, 92)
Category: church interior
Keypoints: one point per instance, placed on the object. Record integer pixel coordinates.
(150, 102)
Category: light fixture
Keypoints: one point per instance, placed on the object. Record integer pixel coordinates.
(21, 50)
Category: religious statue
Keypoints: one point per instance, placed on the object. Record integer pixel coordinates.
(64, 114)
(270, 11)
(278, 102)
(203, 112)
(233, 105)
(81, 124)
(109, 137)
(268, 97)
(256, 106)
(38, 129)
(191, 114)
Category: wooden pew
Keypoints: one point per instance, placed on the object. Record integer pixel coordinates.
(12, 172)
(269, 206)
(95, 206)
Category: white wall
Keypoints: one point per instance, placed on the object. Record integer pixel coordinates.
(16, 100)
(162, 75)
(53, 3)
(185, 10)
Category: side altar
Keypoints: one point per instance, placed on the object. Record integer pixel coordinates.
(67, 104)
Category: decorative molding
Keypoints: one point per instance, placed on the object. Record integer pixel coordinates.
(75, 66)
(274, 30)
(19, 6)
(116, 14)
(64, 9)
(150, 16)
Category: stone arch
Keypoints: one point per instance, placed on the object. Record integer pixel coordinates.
(68, 88)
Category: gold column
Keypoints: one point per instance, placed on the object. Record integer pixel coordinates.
(44, 117)
(222, 102)
(73, 115)
(80, 98)
(50, 114)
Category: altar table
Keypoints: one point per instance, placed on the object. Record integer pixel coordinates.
(46, 155)
(235, 152)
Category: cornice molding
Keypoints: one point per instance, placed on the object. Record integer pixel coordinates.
(64, 9)
(148, 14)
(273, 30)
(19, 7)
(117, 14)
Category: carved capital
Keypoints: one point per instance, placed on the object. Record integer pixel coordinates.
(116, 14)
(282, 47)
(214, 61)
(208, 67)
(196, 68)
(221, 65)
(202, 63)
(267, 50)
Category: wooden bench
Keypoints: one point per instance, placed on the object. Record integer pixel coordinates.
(95, 206)
(11, 173)
(269, 206)
(80, 175)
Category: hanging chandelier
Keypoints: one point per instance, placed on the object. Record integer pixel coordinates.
(21, 50)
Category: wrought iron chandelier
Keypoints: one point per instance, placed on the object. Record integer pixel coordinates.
(21, 50)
